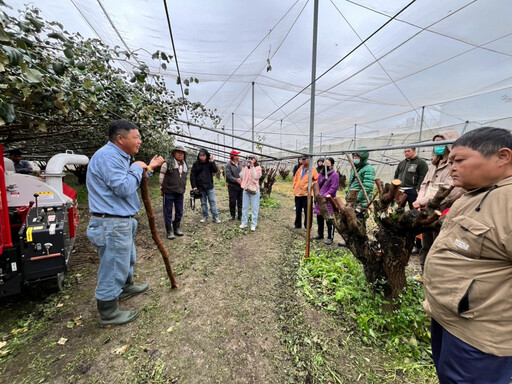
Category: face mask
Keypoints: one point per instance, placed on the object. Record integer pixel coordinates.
(356, 161)
(439, 150)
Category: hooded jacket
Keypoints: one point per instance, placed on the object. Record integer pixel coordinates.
(201, 174)
(468, 271)
(367, 175)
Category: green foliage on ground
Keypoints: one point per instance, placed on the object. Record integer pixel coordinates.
(335, 281)
(269, 202)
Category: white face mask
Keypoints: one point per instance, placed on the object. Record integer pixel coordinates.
(356, 161)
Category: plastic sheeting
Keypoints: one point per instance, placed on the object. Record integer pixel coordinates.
(452, 57)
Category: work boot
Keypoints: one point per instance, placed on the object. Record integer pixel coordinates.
(177, 230)
(130, 289)
(170, 232)
(111, 315)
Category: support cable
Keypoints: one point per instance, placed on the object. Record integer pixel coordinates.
(175, 55)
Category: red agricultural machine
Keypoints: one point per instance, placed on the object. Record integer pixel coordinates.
(38, 224)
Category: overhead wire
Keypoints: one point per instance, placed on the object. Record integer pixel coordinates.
(344, 57)
(377, 60)
(175, 56)
(249, 55)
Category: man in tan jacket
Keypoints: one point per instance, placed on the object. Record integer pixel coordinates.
(468, 272)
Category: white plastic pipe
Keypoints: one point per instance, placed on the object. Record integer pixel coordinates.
(56, 165)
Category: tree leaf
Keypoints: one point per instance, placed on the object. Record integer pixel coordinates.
(88, 83)
(33, 75)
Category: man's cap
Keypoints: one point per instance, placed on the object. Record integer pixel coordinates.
(234, 153)
(179, 148)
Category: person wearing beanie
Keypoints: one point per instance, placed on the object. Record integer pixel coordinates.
(173, 182)
(320, 166)
(328, 186)
(438, 175)
(201, 179)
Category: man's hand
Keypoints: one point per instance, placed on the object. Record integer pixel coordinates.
(416, 205)
(156, 162)
(195, 189)
(212, 159)
(239, 181)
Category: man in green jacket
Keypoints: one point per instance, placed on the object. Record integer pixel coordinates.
(468, 272)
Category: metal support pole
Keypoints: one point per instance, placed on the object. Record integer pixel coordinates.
(311, 126)
(253, 116)
(421, 122)
(233, 129)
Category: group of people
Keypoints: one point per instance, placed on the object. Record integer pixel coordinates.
(113, 203)
(468, 272)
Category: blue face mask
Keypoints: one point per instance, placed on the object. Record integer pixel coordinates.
(439, 150)
(356, 161)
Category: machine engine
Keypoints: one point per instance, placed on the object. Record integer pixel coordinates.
(38, 224)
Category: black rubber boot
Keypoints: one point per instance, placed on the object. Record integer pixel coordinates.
(111, 315)
(177, 231)
(170, 232)
(130, 289)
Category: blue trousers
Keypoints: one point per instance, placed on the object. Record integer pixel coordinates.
(173, 202)
(209, 197)
(459, 363)
(114, 239)
(254, 201)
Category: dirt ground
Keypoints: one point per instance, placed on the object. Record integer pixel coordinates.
(237, 316)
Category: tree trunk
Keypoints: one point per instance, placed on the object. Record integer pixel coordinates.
(385, 258)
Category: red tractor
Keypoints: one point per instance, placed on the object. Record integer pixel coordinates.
(38, 224)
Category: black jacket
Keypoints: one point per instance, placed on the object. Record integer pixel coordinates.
(412, 172)
(201, 175)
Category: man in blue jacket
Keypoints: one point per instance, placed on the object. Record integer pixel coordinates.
(112, 183)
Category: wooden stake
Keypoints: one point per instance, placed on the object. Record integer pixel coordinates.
(144, 191)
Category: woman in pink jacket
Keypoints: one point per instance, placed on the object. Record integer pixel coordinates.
(438, 175)
(250, 175)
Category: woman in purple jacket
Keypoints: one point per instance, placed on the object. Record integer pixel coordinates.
(328, 186)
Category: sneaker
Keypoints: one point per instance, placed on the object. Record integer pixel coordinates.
(217, 220)
(318, 237)
(243, 226)
(415, 250)
(232, 218)
(342, 244)
(203, 220)
(328, 242)
(253, 228)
